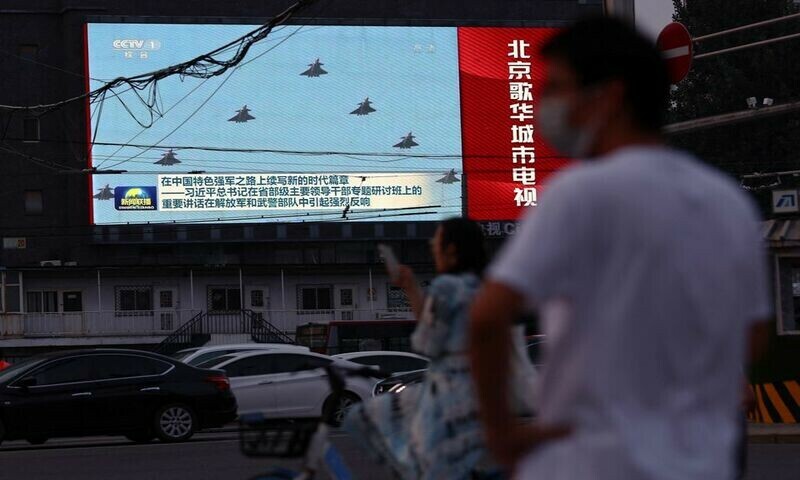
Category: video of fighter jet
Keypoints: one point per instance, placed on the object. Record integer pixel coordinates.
(242, 116)
(364, 108)
(167, 159)
(407, 142)
(105, 193)
(316, 69)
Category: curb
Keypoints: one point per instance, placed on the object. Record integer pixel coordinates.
(772, 438)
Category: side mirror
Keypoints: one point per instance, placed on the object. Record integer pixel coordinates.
(26, 383)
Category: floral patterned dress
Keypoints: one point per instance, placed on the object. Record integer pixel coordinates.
(431, 432)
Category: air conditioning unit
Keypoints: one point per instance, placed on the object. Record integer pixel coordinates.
(50, 263)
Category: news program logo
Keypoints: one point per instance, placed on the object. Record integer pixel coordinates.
(135, 198)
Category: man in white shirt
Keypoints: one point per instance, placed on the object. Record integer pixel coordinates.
(649, 274)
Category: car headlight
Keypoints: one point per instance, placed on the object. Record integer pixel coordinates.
(382, 388)
(397, 388)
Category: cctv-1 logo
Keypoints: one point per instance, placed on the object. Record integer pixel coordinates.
(133, 44)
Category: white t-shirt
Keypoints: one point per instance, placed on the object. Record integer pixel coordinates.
(648, 267)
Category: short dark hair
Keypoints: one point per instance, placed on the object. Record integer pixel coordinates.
(602, 48)
(467, 237)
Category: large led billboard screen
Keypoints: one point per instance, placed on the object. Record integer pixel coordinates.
(318, 123)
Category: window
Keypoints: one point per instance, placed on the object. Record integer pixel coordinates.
(315, 297)
(268, 364)
(165, 299)
(346, 297)
(41, 302)
(224, 299)
(393, 363)
(109, 367)
(33, 202)
(257, 298)
(73, 301)
(205, 357)
(250, 366)
(396, 299)
(184, 353)
(133, 299)
(63, 371)
(30, 130)
(211, 362)
(11, 295)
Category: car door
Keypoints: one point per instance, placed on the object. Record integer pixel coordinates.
(251, 383)
(300, 385)
(127, 389)
(55, 403)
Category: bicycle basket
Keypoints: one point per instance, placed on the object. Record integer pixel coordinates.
(259, 437)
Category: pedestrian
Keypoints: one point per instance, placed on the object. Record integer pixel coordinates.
(432, 431)
(647, 269)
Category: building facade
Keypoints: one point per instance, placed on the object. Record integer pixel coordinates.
(66, 282)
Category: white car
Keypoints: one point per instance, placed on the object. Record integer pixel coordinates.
(196, 356)
(287, 383)
(387, 361)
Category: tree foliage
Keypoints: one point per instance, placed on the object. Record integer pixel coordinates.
(721, 84)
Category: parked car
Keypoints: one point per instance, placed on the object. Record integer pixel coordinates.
(286, 383)
(387, 361)
(198, 355)
(399, 382)
(137, 394)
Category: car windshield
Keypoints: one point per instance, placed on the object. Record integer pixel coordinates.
(14, 370)
(206, 357)
(211, 363)
(184, 353)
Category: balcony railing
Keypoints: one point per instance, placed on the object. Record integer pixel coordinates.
(112, 323)
(162, 323)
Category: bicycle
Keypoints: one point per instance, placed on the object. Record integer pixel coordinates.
(261, 437)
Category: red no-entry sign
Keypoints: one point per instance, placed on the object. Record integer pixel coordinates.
(675, 44)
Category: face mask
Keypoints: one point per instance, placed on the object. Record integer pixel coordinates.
(553, 120)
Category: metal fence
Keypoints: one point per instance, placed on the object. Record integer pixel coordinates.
(159, 323)
(121, 323)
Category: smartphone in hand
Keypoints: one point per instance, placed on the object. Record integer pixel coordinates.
(392, 265)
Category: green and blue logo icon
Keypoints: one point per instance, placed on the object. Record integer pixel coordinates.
(135, 198)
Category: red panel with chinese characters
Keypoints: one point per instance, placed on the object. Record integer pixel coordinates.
(506, 163)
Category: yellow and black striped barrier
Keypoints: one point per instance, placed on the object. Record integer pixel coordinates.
(777, 402)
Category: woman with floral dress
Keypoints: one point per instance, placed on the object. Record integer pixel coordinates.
(432, 432)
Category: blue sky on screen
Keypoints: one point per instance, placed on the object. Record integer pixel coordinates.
(410, 75)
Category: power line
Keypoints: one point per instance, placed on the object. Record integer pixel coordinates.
(746, 27)
(205, 102)
(203, 66)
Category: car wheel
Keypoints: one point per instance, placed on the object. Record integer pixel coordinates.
(140, 437)
(346, 401)
(36, 440)
(174, 423)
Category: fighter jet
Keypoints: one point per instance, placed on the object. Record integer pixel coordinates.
(242, 115)
(168, 159)
(315, 70)
(105, 193)
(364, 108)
(407, 142)
(449, 177)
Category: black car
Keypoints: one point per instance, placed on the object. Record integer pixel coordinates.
(399, 381)
(138, 394)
